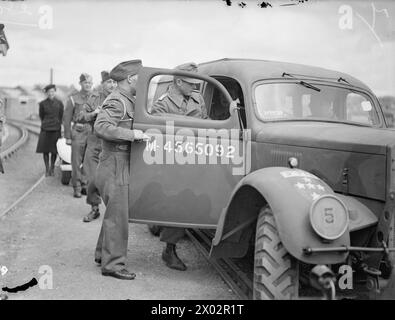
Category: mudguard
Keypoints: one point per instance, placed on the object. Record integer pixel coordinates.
(290, 193)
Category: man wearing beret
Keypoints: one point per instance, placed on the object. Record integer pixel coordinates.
(114, 125)
(77, 135)
(181, 98)
(93, 146)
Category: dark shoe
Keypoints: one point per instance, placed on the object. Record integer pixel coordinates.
(98, 261)
(122, 274)
(84, 191)
(94, 214)
(77, 193)
(51, 171)
(169, 256)
(155, 230)
(47, 173)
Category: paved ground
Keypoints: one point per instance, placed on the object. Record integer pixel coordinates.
(47, 229)
(21, 171)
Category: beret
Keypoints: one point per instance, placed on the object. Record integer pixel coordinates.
(125, 69)
(85, 76)
(189, 67)
(105, 75)
(48, 87)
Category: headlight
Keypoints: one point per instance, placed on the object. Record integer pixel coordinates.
(329, 217)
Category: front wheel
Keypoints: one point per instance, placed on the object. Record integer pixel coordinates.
(276, 272)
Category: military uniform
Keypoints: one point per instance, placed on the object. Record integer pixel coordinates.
(78, 133)
(93, 146)
(174, 102)
(113, 125)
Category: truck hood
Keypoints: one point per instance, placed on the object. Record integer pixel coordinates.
(327, 135)
(351, 159)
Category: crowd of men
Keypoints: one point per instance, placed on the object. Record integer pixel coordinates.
(99, 128)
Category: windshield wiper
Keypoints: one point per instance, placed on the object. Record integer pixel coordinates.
(303, 83)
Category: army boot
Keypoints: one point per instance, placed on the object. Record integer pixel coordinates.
(94, 214)
(77, 193)
(84, 191)
(169, 256)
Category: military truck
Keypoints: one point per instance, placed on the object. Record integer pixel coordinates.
(295, 163)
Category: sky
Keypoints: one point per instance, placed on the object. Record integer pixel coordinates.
(90, 36)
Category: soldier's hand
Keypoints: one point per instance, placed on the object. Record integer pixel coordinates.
(68, 141)
(97, 110)
(140, 135)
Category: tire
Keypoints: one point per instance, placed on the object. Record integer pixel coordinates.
(275, 270)
(65, 177)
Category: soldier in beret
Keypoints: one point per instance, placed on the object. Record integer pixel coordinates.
(181, 98)
(77, 135)
(114, 125)
(51, 114)
(93, 146)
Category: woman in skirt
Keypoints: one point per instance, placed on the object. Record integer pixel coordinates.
(51, 114)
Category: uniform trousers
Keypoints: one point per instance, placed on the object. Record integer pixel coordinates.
(78, 148)
(172, 234)
(91, 161)
(112, 180)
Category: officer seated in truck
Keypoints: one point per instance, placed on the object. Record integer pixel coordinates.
(181, 98)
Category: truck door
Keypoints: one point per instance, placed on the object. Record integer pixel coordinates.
(185, 174)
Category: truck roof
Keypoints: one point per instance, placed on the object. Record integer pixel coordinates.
(251, 70)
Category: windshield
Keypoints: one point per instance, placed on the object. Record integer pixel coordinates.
(293, 101)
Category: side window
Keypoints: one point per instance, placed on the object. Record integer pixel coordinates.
(359, 109)
(219, 108)
(192, 98)
(177, 96)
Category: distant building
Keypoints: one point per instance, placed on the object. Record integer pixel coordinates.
(21, 102)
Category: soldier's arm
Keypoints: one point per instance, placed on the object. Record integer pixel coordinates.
(106, 124)
(67, 117)
(87, 114)
(159, 108)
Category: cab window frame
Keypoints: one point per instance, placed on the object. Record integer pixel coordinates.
(183, 120)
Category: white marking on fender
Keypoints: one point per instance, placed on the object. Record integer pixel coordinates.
(315, 195)
(310, 186)
(296, 173)
(300, 185)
